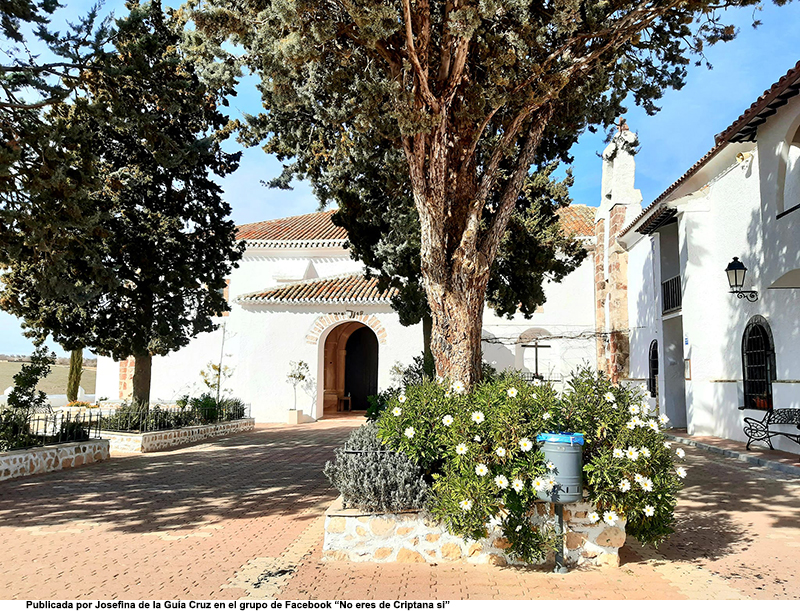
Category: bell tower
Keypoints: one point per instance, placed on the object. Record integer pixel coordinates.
(620, 203)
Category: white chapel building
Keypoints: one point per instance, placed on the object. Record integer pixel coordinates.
(298, 296)
(664, 304)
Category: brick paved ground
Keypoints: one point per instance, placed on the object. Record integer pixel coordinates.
(242, 517)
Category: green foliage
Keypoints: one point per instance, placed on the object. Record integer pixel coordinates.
(15, 430)
(188, 412)
(373, 479)
(25, 398)
(137, 234)
(479, 450)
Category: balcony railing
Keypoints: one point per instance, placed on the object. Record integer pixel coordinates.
(671, 294)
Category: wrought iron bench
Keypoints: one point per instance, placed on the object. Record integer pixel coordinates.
(760, 430)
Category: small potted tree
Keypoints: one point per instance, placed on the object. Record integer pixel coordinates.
(298, 373)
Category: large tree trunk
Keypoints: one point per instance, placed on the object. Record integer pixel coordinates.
(457, 326)
(141, 379)
(75, 372)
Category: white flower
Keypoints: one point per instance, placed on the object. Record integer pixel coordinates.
(397, 411)
(643, 386)
(649, 511)
(633, 409)
(609, 397)
(653, 425)
(439, 379)
(538, 484)
(594, 517)
(501, 481)
(525, 444)
(668, 444)
(618, 453)
(501, 452)
(645, 452)
(466, 505)
(644, 407)
(447, 420)
(517, 485)
(537, 382)
(646, 484)
(546, 416)
(512, 392)
(478, 417)
(637, 421)
(681, 472)
(631, 425)
(458, 388)
(610, 517)
(461, 449)
(663, 419)
(494, 521)
(638, 478)
(550, 466)
(632, 453)
(518, 528)
(481, 470)
(680, 453)
(409, 432)
(402, 398)
(550, 482)
(476, 438)
(624, 485)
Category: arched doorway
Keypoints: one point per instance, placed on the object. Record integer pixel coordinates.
(350, 367)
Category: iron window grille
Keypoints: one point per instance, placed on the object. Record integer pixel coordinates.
(758, 364)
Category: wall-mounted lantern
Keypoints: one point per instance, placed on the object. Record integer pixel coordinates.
(736, 272)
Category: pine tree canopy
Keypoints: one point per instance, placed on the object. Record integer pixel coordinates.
(126, 249)
(470, 95)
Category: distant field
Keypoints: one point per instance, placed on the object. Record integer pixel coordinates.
(54, 384)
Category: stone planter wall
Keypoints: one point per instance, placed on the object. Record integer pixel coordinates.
(163, 440)
(356, 536)
(52, 458)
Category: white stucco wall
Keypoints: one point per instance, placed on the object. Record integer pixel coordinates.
(734, 212)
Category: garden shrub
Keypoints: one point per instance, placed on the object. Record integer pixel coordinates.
(371, 478)
(479, 451)
(15, 429)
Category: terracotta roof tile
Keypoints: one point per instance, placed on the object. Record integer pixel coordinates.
(314, 226)
(350, 288)
(742, 129)
(577, 219)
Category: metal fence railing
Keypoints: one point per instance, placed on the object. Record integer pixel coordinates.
(20, 430)
(136, 419)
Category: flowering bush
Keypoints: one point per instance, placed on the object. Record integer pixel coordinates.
(479, 451)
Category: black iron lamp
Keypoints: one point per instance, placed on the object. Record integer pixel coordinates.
(736, 272)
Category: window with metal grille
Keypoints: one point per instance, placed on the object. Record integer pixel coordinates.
(758, 364)
(652, 379)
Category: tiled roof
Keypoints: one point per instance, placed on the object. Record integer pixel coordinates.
(743, 129)
(577, 219)
(350, 288)
(315, 227)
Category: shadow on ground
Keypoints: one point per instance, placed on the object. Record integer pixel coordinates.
(251, 475)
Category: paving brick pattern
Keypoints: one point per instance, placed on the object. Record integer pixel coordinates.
(241, 517)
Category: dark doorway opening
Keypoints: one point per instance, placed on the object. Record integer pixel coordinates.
(361, 367)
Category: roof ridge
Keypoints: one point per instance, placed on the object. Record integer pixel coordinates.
(288, 218)
(288, 285)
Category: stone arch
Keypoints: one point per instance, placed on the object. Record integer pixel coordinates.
(326, 321)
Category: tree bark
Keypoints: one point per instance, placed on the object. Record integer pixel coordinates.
(75, 372)
(141, 379)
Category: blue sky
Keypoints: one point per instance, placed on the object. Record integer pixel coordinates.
(671, 141)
